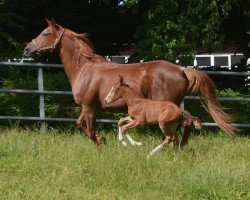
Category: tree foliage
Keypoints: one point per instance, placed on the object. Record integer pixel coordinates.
(160, 28)
(109, 24)
(9, 23)
(180, 28)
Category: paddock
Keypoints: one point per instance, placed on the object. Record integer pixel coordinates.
(60, 164)
(42, 92)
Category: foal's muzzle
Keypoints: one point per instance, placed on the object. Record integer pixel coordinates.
(107, 101)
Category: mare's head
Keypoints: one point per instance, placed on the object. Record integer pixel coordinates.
(46, 41)
(115, 92)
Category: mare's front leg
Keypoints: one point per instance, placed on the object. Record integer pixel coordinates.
(79, 122)
(88, 115)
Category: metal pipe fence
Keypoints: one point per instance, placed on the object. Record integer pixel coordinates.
(41, 92)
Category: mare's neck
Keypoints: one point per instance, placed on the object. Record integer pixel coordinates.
(130, 96)
(67, 52)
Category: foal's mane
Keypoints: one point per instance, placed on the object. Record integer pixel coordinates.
(133, 91)
(84, 49)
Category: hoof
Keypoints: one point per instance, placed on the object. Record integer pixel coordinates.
(124, 143)
(137, 144)
(101, 140)
(140, 144)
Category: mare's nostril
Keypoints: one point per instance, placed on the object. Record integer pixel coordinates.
(26, 51)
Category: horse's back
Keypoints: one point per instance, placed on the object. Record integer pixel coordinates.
(156, 80)
(168, 82)
(170, 114)
(159, 111)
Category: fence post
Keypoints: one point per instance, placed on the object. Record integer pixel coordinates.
(182, 106)
(41, 99)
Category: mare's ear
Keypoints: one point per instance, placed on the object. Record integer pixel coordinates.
(52, 24)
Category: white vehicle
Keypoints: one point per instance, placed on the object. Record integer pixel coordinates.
(224, 60)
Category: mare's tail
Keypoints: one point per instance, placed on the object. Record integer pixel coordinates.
(201, 84)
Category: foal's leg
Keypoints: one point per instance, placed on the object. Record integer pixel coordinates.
(124, 128)
(121, 122)
(185, 137)
(168, 139)
(169, 130)
(176, 141)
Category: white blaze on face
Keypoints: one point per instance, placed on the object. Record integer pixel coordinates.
(107, 99)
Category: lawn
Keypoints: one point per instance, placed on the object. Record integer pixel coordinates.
(65, 165)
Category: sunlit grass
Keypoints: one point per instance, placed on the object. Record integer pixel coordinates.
(64, 165)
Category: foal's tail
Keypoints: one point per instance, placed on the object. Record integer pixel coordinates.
(200, 83)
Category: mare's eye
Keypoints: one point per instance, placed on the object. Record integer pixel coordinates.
(46, 34)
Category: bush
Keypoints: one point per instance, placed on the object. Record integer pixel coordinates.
(64, 105)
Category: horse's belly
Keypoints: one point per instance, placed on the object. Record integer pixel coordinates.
(152, 118)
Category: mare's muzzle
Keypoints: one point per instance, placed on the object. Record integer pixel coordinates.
(29, 50)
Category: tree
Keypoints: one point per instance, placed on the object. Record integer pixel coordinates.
(179, 28)
(110, 24)
(9, 22)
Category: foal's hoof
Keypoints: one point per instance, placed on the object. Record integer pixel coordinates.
(101, 140)
(141, 144)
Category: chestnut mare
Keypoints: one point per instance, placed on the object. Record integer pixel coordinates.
(141, 111)
(91, 77)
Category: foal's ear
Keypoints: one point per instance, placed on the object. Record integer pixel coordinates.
(121, 79)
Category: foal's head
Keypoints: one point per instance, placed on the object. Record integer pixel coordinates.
(115, 92)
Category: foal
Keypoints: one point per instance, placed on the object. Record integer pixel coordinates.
(142, 111)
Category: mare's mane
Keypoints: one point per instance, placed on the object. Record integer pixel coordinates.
(84, 49)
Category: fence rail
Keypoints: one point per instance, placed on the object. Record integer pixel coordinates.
(41, 92)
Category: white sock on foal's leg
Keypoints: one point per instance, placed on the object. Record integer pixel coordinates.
(120, 136)
(155, 150)
(133, 142)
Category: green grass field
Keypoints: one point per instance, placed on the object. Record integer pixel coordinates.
(62, 165)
